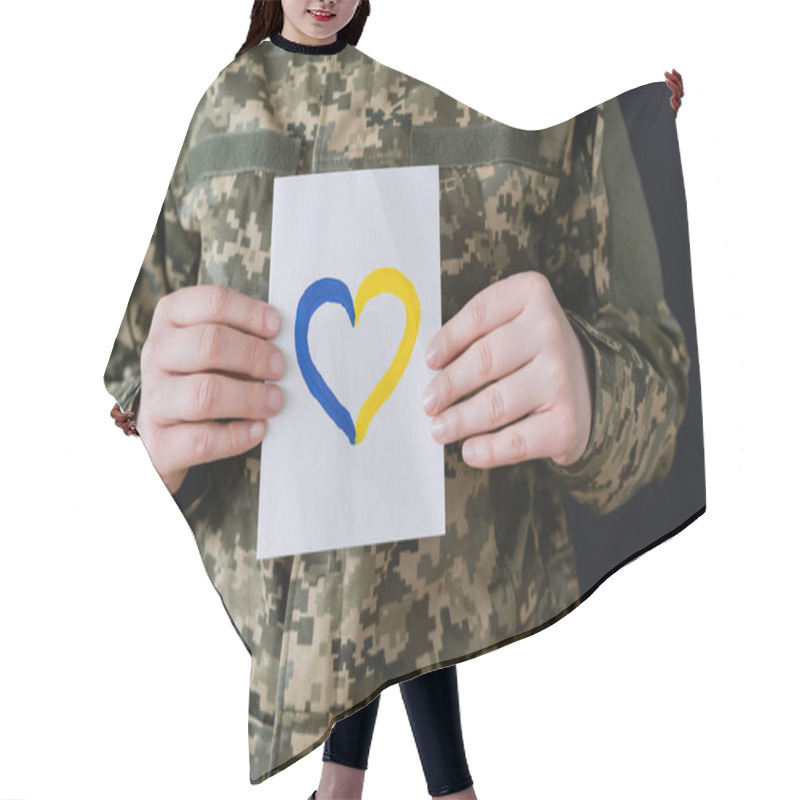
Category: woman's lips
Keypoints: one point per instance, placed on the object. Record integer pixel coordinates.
(323, 16)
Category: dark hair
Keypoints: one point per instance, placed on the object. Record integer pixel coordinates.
(266, 19)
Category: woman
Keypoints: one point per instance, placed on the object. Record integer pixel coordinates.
(199, 337)
(431, 699)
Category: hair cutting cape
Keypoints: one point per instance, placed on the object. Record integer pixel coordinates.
(597, 205)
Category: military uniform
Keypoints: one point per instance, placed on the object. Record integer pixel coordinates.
(328, 631)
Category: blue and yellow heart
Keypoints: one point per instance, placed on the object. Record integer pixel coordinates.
(331, 290)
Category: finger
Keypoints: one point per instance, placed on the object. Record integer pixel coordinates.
(198, 305)
(203, 442)
(534, 436)
(208, 396)
(496, 406)
(675, 81)
(673, 87)
(497, 354)
(212, 347)
(487, 310)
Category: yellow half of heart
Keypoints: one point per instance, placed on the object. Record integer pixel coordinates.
(387, 279)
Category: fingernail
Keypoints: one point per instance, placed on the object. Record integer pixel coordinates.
(430, 354)
(276, 362)
(273, 320)
(429, 399)
(438, 429)
(257, 430)
(275, 400)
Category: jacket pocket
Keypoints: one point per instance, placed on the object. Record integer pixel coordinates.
(231, 180)
(490, 143)
(497, 185)
(229, 153)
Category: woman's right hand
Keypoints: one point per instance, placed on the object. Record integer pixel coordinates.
(204, 364)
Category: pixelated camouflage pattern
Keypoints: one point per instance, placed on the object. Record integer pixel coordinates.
(328, 631)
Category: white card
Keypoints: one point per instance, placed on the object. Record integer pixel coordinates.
(350, 460)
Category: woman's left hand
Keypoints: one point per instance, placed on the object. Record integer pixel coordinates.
(513, 338)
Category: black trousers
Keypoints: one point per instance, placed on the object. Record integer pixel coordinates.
(431, 701)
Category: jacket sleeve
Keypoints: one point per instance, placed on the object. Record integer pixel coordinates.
(171, 262)
(613, 297)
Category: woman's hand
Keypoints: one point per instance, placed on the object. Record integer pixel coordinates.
(204, 364)
(675, 83)
(514, 338)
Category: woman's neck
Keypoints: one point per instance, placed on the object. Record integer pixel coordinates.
(295, 47)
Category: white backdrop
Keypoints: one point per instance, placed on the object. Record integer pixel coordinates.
(120, 674)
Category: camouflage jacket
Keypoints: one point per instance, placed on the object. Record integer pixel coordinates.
(328, 631)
